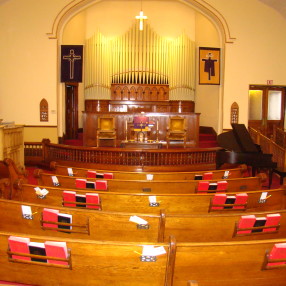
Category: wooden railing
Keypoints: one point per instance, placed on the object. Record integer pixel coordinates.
(118, 158)
(279, 137)
(269, 146)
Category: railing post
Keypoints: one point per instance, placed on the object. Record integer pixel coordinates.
(45, 153)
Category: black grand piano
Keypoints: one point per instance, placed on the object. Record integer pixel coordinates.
(240, 149)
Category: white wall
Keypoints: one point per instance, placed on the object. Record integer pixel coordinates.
(29, 68)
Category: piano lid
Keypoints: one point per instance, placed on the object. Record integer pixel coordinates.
(237, 140)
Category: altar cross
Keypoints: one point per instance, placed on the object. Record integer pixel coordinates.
(72, 58)
(141, 17)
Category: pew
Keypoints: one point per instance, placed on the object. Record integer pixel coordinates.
(124, 175)
(154, 187)
(228, 263)
(85, 223)
(90, 262)
(140, 202)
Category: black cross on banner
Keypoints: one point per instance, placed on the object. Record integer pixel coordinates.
(71, 63)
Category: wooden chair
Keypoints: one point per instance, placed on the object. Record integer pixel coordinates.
(106, 130)
(176, 130)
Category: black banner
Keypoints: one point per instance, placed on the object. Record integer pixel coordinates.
(71, 63)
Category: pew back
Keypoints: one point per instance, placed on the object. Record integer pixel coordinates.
(226, 263)
(124, 175)
(85, 223)
(97, 225)
(91, 263)
(155, 187)
(140, 203)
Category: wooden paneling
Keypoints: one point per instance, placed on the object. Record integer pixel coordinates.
(90, 126)
(139, 106)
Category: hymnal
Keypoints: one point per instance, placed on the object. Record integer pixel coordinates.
(91, 174)
(56, 249)
(37, 248)
(99, 175)
(69, 196)
(198, 177)
(222, 185)
(229, 201)
(246, 221)
(218, 199)
(92, 198)
(90, 185)
(80, 183)
(80, 199)
(108, 175)
(101, 185)
(50, 215)
(278, 252)
(20, 245)
(260, 221)
(203, 186)
(212, 187)
(65, 218)
(272, 219)
(208, 176)
(241, 199)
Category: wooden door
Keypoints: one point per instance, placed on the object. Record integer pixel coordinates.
(266, 108)
(71, 110)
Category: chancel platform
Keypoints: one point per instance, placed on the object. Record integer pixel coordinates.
(126, 131)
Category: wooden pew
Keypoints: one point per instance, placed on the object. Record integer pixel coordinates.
(124, 175)
(112, 263)
(85, 224)
(90, 262)
(155, 187)
(222, 227)
(140, 202)
(227, 263)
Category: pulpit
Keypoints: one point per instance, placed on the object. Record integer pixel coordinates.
(176, 130)
(106, 130)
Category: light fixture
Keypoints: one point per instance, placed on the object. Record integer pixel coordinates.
(141, 18)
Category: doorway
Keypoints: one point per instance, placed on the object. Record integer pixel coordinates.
(71, 90)
(266, 108)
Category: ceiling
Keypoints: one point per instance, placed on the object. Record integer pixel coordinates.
(278, 5)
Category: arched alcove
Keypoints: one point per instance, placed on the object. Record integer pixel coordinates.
(65, 16)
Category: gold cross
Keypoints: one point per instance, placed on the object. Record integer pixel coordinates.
(141, 17)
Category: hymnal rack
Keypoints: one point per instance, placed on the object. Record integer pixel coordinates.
(257, 228)
(72, 227)
(67, 260)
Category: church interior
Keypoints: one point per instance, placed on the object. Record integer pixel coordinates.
(142, 142)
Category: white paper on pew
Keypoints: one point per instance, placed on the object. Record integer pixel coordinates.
(149, 177)
(137, 219)
(70, 172)
(55, 180)
(263, 197)
(150, 250)
(41, 192)
(27, 212)
(152, 199)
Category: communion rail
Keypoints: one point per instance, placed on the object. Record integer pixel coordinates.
(122, 158)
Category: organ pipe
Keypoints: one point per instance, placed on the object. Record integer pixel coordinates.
(140, 57)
